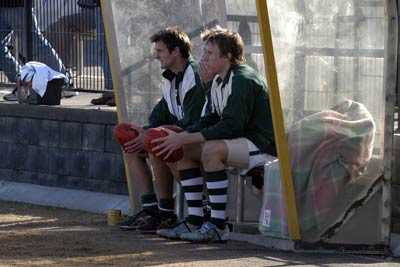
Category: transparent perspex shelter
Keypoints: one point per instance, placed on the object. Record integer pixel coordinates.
(333, 60)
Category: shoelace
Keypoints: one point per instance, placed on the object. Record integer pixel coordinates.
(138, 215)
(207, 227)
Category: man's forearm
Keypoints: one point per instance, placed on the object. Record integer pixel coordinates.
(192, 138)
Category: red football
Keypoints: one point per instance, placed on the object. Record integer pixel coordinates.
(123, 133)
(154, 133)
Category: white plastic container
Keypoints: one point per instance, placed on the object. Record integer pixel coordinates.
(272, 221)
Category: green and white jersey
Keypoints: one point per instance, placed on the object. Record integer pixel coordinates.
(175, 88)
(238, 106)
(182, 99)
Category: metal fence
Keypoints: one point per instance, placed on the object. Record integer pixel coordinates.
(74, 33)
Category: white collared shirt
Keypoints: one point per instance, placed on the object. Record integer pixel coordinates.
(40, 74)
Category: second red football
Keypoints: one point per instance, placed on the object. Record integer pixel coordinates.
(154, 133)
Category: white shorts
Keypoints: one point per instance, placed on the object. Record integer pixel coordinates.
(244, 155)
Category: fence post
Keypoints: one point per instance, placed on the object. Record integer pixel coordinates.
(27, 30)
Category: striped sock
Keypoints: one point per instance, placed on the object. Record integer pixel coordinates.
(149, 202)
(217, 187)
(192, 185)
(166, 207)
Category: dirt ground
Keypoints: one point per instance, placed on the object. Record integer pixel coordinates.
(44, 236)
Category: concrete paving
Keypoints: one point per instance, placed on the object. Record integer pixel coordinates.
(82, 100)
(42, 236)
(64, 198)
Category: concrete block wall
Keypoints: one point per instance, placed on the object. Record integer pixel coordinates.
(62, 147)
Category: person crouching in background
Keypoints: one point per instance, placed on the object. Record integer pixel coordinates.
(38, 84)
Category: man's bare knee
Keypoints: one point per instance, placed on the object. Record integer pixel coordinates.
(214, 154)
(191, 157)
(192, 152)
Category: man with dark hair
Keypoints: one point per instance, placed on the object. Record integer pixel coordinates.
(181, 104)
(178, 39)
(236, 131)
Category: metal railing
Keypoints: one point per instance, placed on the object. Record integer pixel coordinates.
(67, 28)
